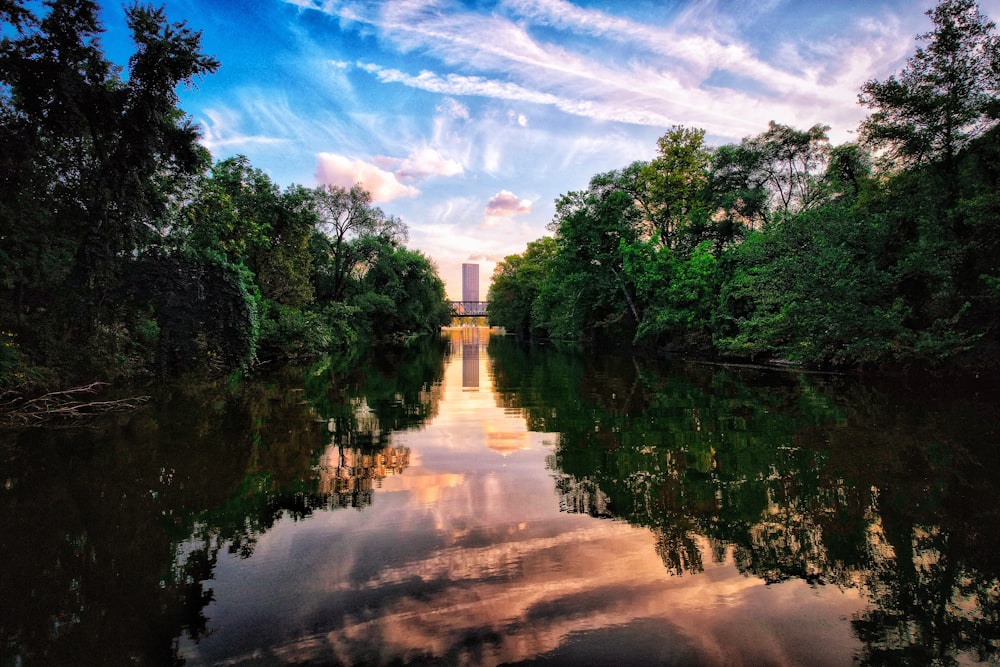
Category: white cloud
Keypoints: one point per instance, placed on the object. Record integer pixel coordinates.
(334, 169)
(696, 69)
(456, 84)
(505, 204)
(421, 164)
(453, 108)
(221, 130)
(516, 118)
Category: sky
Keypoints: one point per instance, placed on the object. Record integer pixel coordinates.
(469, 119)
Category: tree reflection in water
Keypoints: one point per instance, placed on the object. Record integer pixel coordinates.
(819, 478)
(109, 537)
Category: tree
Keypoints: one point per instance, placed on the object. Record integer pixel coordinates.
(675, 182)
(945, 96)
(402, 294)
(90, 161)
(237, 215)
(284, 266)
(769, 176)
(353, 232)
(677, 291)
(848, 171)
(517, 282)
(587, 288)
(812, 290)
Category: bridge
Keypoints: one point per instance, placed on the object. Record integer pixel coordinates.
(468, 308)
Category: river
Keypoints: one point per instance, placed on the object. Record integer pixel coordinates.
(475, 502)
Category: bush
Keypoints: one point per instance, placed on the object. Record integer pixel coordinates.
(290, 333)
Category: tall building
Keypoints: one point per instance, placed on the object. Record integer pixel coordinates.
(470, 282)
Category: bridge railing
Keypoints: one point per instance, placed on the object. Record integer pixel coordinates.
(469, 308)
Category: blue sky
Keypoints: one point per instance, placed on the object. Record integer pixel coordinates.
(468, 119)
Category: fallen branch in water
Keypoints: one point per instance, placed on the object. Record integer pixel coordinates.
(66, 406)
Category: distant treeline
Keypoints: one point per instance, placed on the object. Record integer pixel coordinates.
(869, 254)
(124, 251)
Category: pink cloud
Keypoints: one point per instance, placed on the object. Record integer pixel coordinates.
(334, 169)
(505, 204)
(427, 162)
(420, 165)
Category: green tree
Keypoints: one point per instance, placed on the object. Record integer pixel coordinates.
(402, 294)
(353, 232)
(945, 96)
(517, 282)
(587, 290)
(225, 216)
(937, 121)
(813, 290)
(677, 290)
(285, 264)
(90, 161)
(237, 215)
(675, 183)
(766, 177)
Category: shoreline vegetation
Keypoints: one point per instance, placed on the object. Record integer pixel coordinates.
(881, 256)
(129, 254)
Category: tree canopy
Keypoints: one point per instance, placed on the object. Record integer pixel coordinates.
(946, 96)
(782, 246)
(126, 251)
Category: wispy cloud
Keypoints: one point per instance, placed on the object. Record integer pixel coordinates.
(694, 71)
(221, 131)
(438, 104)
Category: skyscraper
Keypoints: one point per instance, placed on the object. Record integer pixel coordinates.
(470, 282)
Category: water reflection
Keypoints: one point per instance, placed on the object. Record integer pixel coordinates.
(110, 536)
(475, 502)
(791, 477)
(470, 342)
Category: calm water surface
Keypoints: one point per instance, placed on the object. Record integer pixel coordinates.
(473, 502)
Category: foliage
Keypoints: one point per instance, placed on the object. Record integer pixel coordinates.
(206, 318)
(811, 290)
(290, 333)
(677, 291)
(675, 183)
(587, 288)
(946, 95)
(517, 282)
(105, 190)
(89, 161)
(768, 176)
(782, 246)
(402, 294)
(353, 233)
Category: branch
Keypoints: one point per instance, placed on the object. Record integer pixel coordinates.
(68, 406)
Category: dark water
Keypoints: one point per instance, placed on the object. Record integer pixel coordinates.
(471, 502)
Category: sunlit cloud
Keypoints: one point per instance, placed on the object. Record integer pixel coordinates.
(505, 204)
(345, 172)
(420, 164)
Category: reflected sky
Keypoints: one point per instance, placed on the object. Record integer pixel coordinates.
(464, 557)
